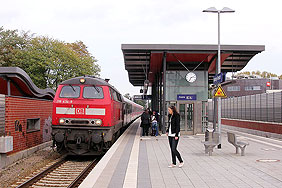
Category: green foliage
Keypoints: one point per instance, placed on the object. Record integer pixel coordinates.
(10, 43)
(141, 102)
(244, 73)
(263, 74)
(47, 61)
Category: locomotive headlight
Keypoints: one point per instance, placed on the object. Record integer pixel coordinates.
(82, 80)
(61, 121)
(98, 122)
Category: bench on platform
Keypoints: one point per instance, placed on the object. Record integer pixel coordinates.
(210, 143)
(238, 144)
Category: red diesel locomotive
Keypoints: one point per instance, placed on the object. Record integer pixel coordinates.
(88, 115)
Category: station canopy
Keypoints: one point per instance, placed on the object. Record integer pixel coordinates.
(143, 61)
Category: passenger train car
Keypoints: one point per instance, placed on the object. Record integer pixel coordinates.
(88, 115)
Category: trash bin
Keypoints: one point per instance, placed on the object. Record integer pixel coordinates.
(209, 134)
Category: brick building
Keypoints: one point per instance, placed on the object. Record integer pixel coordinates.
(25, 112)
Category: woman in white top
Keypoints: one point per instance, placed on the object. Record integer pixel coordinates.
(173, 133)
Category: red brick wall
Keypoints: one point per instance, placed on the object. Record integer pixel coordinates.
(260, 126)
(18, 110)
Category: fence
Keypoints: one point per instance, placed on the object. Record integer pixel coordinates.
(260, 107)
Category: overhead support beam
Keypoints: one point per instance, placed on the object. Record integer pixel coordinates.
(137, 67)
(133, 62)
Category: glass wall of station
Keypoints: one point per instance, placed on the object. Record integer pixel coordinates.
(177, 84)
(192, 110)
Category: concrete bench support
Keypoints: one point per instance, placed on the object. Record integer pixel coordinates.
(210, 143)
(238, 144)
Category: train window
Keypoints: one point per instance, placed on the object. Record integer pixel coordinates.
(70, 92)
(119, 97)
(91, 92)
(115, 95)
(110, 93)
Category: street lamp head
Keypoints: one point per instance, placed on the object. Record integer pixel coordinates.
(214, 10)
(226, 10)
(211, 9)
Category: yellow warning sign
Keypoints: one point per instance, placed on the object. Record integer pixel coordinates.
(219, 92)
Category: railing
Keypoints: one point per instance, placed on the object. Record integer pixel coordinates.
(265, 107)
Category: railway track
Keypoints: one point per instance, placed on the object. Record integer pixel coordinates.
(64, 173)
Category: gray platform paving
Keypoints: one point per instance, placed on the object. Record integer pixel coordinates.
(223, 169)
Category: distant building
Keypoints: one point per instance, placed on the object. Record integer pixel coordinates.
(249, 86)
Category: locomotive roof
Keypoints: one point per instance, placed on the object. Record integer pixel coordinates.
(89, 80)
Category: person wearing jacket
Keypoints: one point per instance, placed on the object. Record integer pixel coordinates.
(173, 133)
(145, 122)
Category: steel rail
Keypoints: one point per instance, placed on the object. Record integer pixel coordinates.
(83, 174)
(40, 175)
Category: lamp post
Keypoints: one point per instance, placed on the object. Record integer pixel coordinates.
(218, 63)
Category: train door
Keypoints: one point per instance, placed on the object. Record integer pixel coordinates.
(186, 111)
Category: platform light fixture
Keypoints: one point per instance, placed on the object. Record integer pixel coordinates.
(218, 63)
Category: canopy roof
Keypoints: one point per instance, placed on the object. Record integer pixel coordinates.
(143, 61)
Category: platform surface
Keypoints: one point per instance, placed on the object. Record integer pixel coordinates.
(135, 161)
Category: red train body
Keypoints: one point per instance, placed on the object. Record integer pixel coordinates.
(88, 115)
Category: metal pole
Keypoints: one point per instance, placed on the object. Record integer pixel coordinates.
(164, 92)
(9, 87)
(214, 113)
(218, 72)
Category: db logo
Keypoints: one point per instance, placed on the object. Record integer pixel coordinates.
(79, 111)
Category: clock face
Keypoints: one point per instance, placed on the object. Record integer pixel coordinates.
(191, 77)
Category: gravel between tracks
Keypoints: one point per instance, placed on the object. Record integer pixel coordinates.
(26, 166)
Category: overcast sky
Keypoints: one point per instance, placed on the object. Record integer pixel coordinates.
(103, 25)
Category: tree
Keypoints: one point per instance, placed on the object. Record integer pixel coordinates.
(47, 61)
(10, 43)
(243, 73)
(263, 74)
(141, 102)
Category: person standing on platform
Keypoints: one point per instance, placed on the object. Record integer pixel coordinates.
(173, 133)
(155, 130)
(145, 122)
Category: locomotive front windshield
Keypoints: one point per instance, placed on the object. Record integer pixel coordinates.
(93, 92)
(70, 92)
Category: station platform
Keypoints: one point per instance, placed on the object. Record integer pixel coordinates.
(135, 161)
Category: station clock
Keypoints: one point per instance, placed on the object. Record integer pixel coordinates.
(191, 77)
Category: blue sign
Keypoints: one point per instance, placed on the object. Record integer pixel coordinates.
(187, 97)
(219, 78)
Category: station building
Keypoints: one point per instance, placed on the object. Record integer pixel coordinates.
(179, 75)
(252, 86)
(25, 113)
